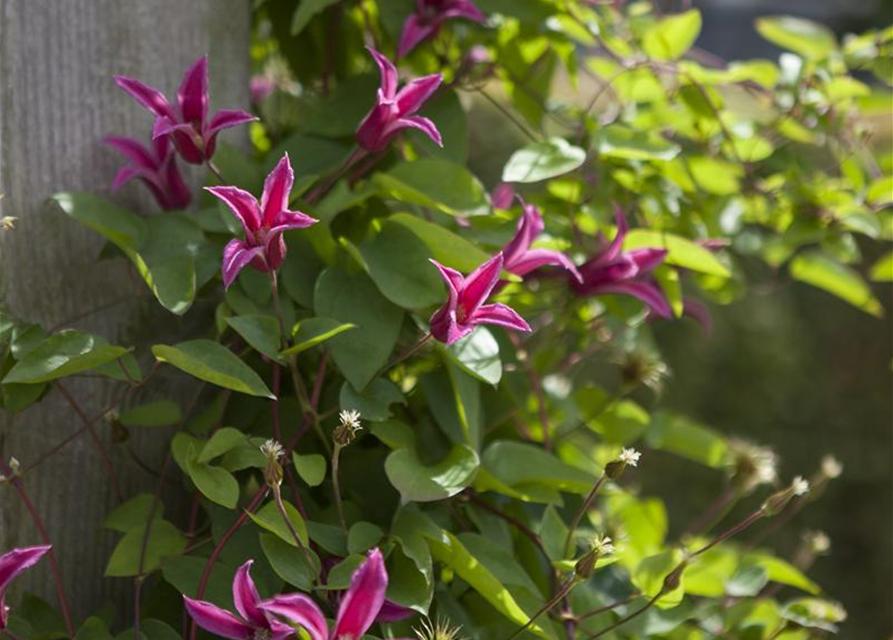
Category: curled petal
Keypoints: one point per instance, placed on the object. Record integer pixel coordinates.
(371, 134)
(530, 225)
(236, 255)
(393, 612)
(246, 598)
(134, 151)
(288, 220)
(536, 258)
(446, 328)
(242, 204)
(14, 562)
(422, 124)
(503, 195)
(613, 249)
(176, 188)
(647, 292)
(301, 610)
(212, 618)
(502, 315)
(388, 74)
(480, 283)
(151, 98)
(277, 189)
(416, 92)
(464, 9)
(415, 32)
(125, 175)
(647, 259)
(698, 311)
(192, 95)
(226, 119)
(363, 600)
(454, 281)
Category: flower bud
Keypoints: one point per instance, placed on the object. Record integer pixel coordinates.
(777, 502)
(346, 431)
(273, 473)
(673, 579)
(601, 546)
(627, 457)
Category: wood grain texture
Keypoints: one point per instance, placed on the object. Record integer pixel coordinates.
(57, 102)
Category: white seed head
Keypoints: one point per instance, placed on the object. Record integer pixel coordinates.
(350, 419)
(629, 457)
(755, 464)
(272, 450)
(8, 223)
(602, 545)
(800, 486)
(441, 630)
(831, 467)
(14, 465)
(818, 542)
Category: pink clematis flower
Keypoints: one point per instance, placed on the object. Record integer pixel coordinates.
(394, 110)
(520, 259)
(465, 308)
(155, 166)
(429, 16)
(193, 133)
(255, 622)
(358, 610)
(625, 272)
(12, 563)
(264, 222)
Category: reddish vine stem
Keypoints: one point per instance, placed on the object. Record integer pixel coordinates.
(45, 538)
(323, 187)
(100, 447)
(610, 607)
(215, 554)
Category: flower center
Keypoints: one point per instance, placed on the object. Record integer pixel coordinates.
(261, 634)
(461, 313)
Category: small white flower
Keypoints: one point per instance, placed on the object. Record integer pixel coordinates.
(800, 486)
(14, 465)
(831, 467)
(630, 457)
(350, 419)
(272, 450)
(602, 545)
(8, 223)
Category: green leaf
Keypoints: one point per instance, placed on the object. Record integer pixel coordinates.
(716, 176)
(447, 548)
(446, 110)
(288, 564)
(223, 440)
(672, 36)
(212, 362)
(356, 300)
(307, 9)
(215, 483)
(133, 514)
(444, 245)
(783, 572)
(618, 141)
(164, 540)
(260, 332)
(518, 464)
(375, 400)
(478, 354)
(314, 331)
(417, 482)
(435, 183)
(123, 228)
(682, 251)
(543, 160)
(311, 468)
(882, 270)
(63, 354)
(363, 536)
(397, 261)
(808, 38)
(748, 581)
(268, 517)
(94, 628)
(650, 573)
(822, 271)
(152, 414)
(682, 436)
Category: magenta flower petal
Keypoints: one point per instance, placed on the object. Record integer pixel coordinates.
(464, 9)
(155, 166)
(12, 563)
(134, 151)
(536, 258)
(288, 220)
(388, 74)
(698, 311)
(480, 283)
(228, 118)
(393, 612)
(149, 97)
(416, 92)
(242, 204)
(301, 610)
(648, 292)
(413, 33)
(212, 618)
(502, 315)
(422, 124)
(246, 598)
(502, 196)
(236, 255)
(363, 600)
(371, 134)
(192, 96)
(647, 259)
(277, 188)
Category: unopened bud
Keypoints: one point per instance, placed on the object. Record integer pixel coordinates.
(673, 579)
(273, 473)
(346, 431)
(627, 457)
(601, 546)
(14, 470)
(777, 502)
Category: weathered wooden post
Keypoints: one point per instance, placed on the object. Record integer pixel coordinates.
(57, 102)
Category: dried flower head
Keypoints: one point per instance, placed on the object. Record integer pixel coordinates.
(603, 545)
(817, 542)
(440, 630)
(799, 486)
(831, 467)
(346, 431)
(272, 450)
(8, 223)
(752, 464)
(273, 473)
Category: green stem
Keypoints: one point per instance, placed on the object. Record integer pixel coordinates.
(558, 597)
(578, 516)
(336, 457)
(277, 498)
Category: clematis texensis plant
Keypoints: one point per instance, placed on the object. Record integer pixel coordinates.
(188, 124)
(357, 612)
(395, 110)
(465, 308)
(13, 563)
(520, 259)
(626, 272)
(155, 166)
(254, 622)
(428, 18)
(264, 223)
